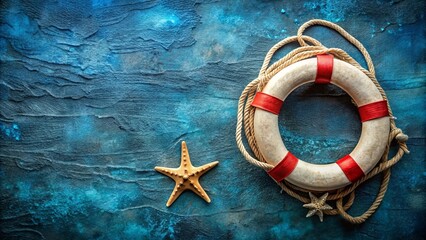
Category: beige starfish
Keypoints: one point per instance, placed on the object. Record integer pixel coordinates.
(317, 205)
(186, 176)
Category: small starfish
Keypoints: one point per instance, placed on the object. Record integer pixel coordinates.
(317, 205)
(186, 176)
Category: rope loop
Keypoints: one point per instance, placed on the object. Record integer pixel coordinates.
(310, 47)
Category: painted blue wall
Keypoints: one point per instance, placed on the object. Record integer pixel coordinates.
(94, 94)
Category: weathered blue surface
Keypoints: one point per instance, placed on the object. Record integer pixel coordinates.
(94, 94)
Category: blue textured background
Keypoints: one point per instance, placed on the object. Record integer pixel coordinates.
(94, 94)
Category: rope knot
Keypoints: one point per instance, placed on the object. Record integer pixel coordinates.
(400, 136)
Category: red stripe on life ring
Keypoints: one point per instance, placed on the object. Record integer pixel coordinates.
(350, 167)
(324, 68)
(267, 102)
(284, 168)
(373, 110)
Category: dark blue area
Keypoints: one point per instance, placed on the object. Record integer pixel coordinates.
(95, 94)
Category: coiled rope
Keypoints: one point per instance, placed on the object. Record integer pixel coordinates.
(310, 47)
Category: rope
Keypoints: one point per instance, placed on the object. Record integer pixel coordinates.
(310, 47)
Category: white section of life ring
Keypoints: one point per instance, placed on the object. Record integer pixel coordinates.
(322, 177)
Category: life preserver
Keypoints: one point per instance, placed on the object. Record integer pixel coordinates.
(373, 113)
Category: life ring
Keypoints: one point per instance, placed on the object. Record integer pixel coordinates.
(321, 177)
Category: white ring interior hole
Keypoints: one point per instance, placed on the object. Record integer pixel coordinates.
(319, 123)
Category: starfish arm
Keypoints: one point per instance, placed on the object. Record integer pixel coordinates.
(198, 189)
(199, 171)
(314, 199)
(322, 199)
(311, 212)
(320, 215)
(170, 172)
(326, 207)
(309, 205)
(184, 155)
(177, 191)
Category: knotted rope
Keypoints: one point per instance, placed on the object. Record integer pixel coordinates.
(310, 47)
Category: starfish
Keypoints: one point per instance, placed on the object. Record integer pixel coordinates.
(186, 176)
(317, 205)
